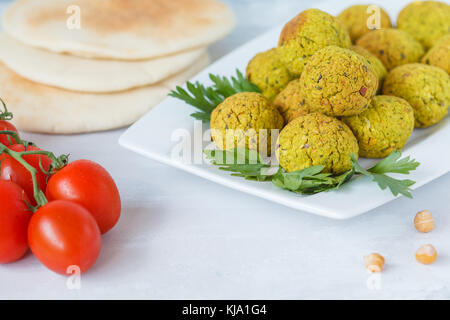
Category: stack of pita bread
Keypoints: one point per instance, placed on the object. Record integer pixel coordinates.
(72, 66)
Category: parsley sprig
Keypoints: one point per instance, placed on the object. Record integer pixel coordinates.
(249, 165)
(207, 98)
(311, 180)
(390, 164)
(243, 163)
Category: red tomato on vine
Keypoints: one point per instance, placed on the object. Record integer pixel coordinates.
(63, 234)
(90, 185)
(12, 170)
(5, 138)
(14, 218)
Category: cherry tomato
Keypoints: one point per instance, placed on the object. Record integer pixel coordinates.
(4, 138)
(62, 234)
(14, 219)
(13, 171)
(89, 184)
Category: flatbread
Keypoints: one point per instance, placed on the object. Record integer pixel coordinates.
(40, 108)
(89, 75)
(118, 29)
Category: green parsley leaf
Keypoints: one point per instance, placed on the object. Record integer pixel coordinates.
(249, 165)
(310, 180)
(241, 162)
(206, 99)
(393, 164)
(396, 186)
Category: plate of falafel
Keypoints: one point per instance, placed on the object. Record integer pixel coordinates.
(326, 104)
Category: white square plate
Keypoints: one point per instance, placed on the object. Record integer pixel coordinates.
(151, 136)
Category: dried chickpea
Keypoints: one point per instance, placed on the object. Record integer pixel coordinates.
(424, 221)
(426, 254)
(374, 262)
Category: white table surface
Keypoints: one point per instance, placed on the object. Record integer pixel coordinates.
(181, 237)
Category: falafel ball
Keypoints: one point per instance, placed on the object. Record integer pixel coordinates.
(439, 54)
(338, 82)
(376, 63)
(426, 88)
(245, 120)
(308, 32)
(268, 73)
(299, 113)
(316, 139)
(392, 46)
(291, 101)
(384, 127)
(356, 18)
(426, 21)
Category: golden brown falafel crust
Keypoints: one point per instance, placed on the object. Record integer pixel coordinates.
(316, 139)
(439, 54)
(306, 33)
(426, 21)
(268, 73)
(299, 113)
(338, 82)
(392, 46)
(237, 121)
(384, 127)
(293, 27)
(426, 88)
(291, 100)
(355, 19)
(376, 63)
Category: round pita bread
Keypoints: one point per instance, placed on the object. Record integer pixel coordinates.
(40, 108)
(118, 29)
(89, 75)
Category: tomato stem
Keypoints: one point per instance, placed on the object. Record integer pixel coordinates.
(39, 195)
(16, 137)
(5, 115)
(57, 163)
